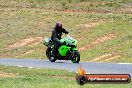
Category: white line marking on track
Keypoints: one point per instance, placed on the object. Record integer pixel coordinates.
(20, 66)
(86, 73)
(124, 63)
(30, 67)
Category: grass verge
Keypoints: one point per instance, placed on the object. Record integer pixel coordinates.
(41, 78)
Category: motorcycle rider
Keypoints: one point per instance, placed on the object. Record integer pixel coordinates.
(57, 33)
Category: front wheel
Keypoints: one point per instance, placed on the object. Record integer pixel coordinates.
(75, 57)
(49, 54)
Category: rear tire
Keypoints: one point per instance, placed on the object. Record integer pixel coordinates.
(49, 54)
(76, 57)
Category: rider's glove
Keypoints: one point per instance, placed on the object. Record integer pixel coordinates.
(66, 32)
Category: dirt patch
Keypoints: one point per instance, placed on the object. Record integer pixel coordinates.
(105, 58)
(28, 52)
(5, 55)
(86, 11)
(91, 25)
(27, 41)
(88, 25)
(71, 10)
(111, 58)
(105, 38)
(101, 57)
(7, 75)
(90, 3)
(98, 41)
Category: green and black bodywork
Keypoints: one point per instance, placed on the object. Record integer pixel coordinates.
(67, 51)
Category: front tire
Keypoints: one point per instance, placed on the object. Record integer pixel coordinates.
(76, 57)
(49, 54)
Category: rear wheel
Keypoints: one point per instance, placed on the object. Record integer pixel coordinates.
(75, 57)
(50, 55)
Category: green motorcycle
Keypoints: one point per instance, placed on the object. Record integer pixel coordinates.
(67, 51)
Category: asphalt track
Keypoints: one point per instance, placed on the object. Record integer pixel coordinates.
(90, 67)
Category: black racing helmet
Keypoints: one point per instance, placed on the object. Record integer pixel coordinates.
(58, 25)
